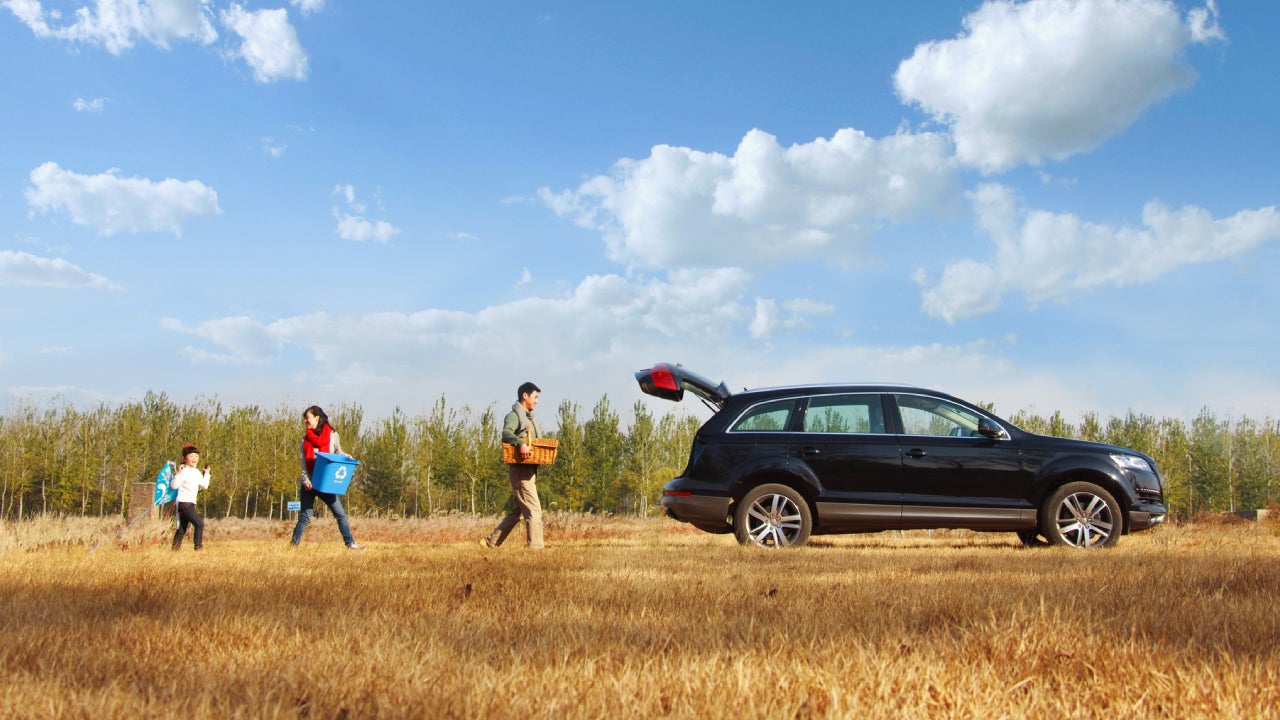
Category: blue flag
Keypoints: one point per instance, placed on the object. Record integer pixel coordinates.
(165, 492)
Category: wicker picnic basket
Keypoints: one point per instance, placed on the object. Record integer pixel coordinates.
(544, 452)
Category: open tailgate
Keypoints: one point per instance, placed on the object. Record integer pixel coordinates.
(669, 381)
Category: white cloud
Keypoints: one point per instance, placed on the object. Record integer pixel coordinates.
(526, 277)
(269, 44)
(273, 147)
(91, 106)
(583, 343)
(59, 351)
(307, 7)
(771, 319)
(934, 365)
(599, 318)
(766, 204)
(1045, 255)
(359, 229)
(117, 25)
(354, 225)
(246, 341)
(27, 270)
(113, 204)
(348, 193)
(602, 309)
(1051, 78)
(588, 342)
(1204, 23)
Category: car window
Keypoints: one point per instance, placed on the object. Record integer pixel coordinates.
(844, 414)
(766, 417)
(933, 416)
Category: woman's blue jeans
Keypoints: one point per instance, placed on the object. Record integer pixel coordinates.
(335, 506)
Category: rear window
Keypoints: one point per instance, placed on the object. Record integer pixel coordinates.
(766, 417)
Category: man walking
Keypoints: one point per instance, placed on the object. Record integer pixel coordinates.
(518, 428)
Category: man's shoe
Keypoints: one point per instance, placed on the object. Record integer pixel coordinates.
(486, 543)
(354, 546)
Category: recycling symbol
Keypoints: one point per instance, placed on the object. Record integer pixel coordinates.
(341, 473)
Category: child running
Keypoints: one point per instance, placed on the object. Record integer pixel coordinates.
(189, 482)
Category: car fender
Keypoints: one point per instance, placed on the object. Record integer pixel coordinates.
(776, 469)
(1090, 467)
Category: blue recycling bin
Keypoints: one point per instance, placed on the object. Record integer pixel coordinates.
(333, 473)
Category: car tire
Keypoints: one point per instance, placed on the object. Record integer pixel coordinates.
(772, 516)
(1081, 515)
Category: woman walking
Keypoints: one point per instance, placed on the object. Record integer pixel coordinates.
(319, 436)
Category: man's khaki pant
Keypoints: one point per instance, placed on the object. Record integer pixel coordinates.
(524, 490)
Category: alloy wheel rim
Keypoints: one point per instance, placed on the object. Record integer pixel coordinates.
(773, 521)
(1085, 520)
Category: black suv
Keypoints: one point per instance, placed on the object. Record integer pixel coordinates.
(777, 464)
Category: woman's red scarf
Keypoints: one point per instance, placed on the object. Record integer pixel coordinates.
(315, 441)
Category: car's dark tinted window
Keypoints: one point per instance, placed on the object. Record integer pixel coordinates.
(845, 414)
(922, 415)
(765, 417)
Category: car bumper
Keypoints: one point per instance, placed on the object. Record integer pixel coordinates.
(707, 512)
(1142, 517)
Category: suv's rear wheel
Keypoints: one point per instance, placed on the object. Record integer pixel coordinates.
(1082, 515)
(772, 516)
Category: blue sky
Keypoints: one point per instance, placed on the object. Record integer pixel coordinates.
(1048, 205)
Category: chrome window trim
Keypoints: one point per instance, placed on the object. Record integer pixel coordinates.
(877, 394)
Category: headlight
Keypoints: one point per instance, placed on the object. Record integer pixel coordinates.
(1131, 462)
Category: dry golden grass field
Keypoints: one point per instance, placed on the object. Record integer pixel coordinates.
(631, 618)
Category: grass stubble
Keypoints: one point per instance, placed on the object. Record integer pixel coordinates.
(632, 618)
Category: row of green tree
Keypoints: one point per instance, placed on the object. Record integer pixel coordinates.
(1209, 465)
(87, 461)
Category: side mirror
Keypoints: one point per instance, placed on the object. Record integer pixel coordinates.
(991, 430)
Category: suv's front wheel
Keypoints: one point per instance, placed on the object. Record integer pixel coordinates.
(772, 516)
(1083, 515)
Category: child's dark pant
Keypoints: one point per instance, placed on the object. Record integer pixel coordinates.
(187, 516)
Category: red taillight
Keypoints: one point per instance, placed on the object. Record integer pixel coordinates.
(676, 493)
(663, 379)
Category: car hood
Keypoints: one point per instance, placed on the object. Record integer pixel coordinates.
(669, 381)
(1067, 444)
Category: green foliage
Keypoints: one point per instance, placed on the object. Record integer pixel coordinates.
(563, 486)
(480, 468)
(640, 480)
(388, 464)
(605, 454)
(83, 461)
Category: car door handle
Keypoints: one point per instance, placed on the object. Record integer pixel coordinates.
(916, 453)
(811, 451)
